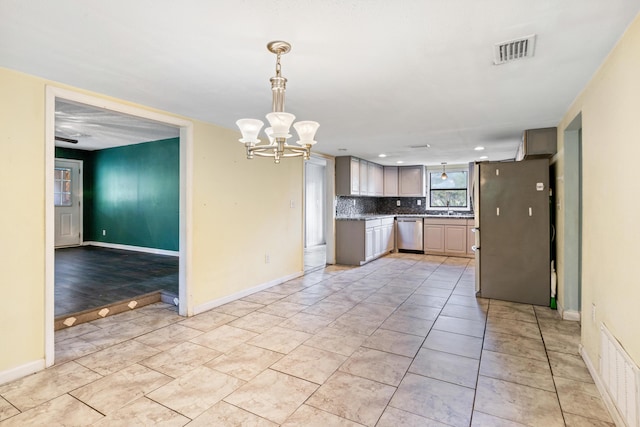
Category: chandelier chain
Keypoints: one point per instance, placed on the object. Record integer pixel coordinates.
(278, 67)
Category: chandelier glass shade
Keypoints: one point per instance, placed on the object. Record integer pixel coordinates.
(279, 122)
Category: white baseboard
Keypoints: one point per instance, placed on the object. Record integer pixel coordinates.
(21, 371)
(608, 403)
(220, 301)
(131, 248)
(573, 315)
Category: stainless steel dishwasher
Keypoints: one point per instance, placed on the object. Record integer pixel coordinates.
(409, 233)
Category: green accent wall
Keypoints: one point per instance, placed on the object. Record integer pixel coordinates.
(137, 195)
(134, 194)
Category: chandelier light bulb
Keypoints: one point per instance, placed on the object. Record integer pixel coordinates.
(281, 122)
(250, 128)
(306, 131)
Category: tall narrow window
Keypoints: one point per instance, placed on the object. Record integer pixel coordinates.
(62, 187)
(450, 192)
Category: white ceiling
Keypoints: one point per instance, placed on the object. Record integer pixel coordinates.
(95, 128)
(379, 75)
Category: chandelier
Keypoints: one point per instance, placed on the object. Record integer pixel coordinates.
(279, 121)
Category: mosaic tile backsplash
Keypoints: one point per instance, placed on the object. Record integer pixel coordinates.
(350, 206)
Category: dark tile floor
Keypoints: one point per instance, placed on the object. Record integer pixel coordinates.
(89, 277)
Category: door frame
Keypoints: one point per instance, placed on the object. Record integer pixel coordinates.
(323, 163)
(80, 164)
(185, 307)
(571, 279)
(329, 206)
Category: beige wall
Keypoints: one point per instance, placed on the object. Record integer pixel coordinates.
(610, 106)
(21, 219)
(240, 210)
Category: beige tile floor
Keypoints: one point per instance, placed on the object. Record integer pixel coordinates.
(399, 342)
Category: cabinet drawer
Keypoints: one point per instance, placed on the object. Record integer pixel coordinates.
(370, 223)
(446, 221)
(386, 221)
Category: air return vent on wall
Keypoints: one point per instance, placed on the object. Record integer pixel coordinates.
(513, 50)
(621, 377)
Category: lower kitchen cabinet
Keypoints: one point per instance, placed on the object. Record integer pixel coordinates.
(455, 239)
(447, 236)
(361, 241)
(433, 237)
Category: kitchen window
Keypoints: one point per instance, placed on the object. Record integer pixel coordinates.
(451, 193)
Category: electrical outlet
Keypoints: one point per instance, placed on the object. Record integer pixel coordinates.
(419, 202)
(354, 202)
(292, 203)
(267, 259)
(104, 232)
(397, 202)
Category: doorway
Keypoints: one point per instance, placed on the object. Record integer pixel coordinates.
(67, 196)
(185, 129)
(315, 242)
(572, 215)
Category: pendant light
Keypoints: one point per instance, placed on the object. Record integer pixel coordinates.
(444, 172)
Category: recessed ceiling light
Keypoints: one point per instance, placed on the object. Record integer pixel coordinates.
(342, 149)
(479, 148)
(484, 157)
(399, 162)
(382, 155)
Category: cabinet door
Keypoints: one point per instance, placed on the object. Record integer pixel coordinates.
(378, 179)
(455, 238)
(434, 238)
(378, 249)
(355, 176)
(390, 238)
(411, 180)
(364, 178)
(390, 181)
(368, 244)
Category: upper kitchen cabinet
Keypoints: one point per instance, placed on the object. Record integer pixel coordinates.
(376, 179)
(411, 181)
(347, 176)
(364, 178)
(538, 144)
(358, 177)
(390, 181)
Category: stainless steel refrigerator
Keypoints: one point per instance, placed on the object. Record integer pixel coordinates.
(511, 202)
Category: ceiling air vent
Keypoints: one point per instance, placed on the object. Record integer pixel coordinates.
(512, 50)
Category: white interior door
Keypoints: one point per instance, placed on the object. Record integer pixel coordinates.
(67, 195)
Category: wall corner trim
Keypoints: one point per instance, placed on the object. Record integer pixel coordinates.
(572, 315)
(21, 371)
(608, 403)
(224, 300)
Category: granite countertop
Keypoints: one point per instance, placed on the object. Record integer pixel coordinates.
(364, 217)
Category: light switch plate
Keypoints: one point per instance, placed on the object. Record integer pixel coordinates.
(397, 202)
